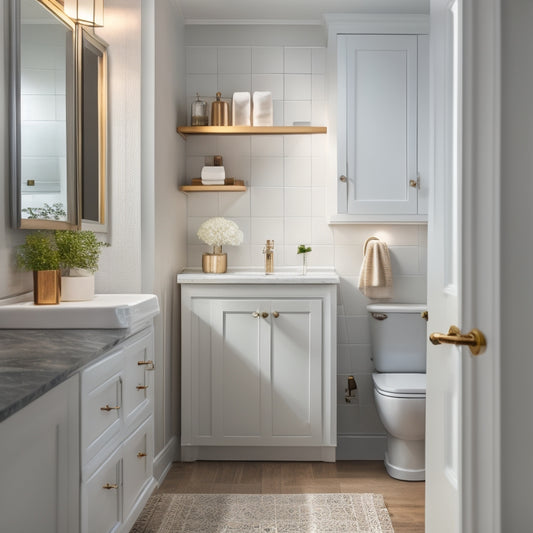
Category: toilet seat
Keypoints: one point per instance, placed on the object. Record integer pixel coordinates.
(400, 385)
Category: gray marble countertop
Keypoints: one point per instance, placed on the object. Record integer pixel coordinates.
(33, 361)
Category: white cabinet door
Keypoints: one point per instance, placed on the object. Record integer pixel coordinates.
(295, 384)
(240, 353)
(266, 372)
(378, 106)
(39, 464)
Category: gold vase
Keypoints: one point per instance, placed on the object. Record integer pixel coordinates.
(46, 287)
(216, 262)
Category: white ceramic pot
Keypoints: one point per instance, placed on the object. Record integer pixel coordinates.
(78, 287)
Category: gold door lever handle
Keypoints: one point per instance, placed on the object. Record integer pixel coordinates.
(109, 486)
(141, 387)
(474, 339)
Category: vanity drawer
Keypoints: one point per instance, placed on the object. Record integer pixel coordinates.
(101, 404)
(137, 457)
(101, 497)
(138, 389)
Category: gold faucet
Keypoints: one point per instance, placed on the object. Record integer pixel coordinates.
(268, 250)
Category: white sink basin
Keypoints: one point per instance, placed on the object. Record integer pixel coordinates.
(105, 311)
(281, 276)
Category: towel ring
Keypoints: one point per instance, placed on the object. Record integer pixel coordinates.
(367, 241)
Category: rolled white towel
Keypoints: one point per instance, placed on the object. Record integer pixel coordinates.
(240, 109)
(263, 114)
(213, 173)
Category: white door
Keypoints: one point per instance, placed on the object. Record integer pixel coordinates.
(462, 423)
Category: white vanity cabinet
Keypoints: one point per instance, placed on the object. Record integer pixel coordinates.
(383, 127)
(39, 464)
(258, 363)
(117, 448)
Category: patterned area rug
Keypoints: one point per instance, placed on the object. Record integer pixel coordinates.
(264, 513)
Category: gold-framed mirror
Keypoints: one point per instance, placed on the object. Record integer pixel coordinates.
(92, 129)
(44, 167)
(58, 120)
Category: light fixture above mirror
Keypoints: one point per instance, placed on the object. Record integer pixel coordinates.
(86, 12)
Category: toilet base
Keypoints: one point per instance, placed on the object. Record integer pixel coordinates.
(405, 459)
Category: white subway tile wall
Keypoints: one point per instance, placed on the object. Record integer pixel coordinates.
(286, 201)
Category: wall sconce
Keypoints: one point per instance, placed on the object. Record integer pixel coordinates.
(86, 12)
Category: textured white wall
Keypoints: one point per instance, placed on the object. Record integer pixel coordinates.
(120, 264)
(170, 217)
(287, 199)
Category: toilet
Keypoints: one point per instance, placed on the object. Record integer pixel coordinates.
(398, 342)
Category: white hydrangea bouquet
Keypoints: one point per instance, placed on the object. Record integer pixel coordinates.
(215, 232)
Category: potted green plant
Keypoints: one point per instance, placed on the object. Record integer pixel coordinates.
(304, 250)
(39, 254)
(79, 253)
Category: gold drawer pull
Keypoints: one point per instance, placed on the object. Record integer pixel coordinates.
(141, 387)
(140, 455)
(149, 364)
(109, 408)
(109, 486)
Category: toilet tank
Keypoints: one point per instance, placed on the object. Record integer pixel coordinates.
(398, 335)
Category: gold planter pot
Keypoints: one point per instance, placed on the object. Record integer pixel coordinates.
(46, 287)
(215, 263)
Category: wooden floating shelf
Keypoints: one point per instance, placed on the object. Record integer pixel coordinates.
(250, 130)
(197, 186)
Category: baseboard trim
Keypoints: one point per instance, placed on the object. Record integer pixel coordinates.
(258, 453)
(164, 459)
(361, 447)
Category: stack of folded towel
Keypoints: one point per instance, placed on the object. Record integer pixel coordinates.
(213, 175)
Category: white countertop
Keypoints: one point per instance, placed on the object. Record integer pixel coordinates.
(105, 311)
(283, 276)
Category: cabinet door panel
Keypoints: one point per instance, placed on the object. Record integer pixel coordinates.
(137, 376)
(295, 367)
(138, 456)
(380, 97)
(101, 497)
(237, 376)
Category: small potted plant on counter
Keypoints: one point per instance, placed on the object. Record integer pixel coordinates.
(39, 254)
(304, 250)
(78, 253)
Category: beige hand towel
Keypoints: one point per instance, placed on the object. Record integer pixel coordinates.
(375, 278)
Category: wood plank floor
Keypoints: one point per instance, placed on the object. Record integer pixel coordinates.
(404, 500)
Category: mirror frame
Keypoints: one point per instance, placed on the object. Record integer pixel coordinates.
(87, 40)
(73, 181)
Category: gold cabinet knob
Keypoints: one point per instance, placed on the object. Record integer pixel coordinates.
(140, 455)
(109, 486)
(141, 387)
(275, 314)
(255, 314)
(109, 408)
(264, 314)
(424, 315)
(343, 178)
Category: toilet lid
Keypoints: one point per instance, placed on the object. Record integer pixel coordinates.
(400, 383)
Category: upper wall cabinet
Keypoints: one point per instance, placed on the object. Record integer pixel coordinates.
(382, 128)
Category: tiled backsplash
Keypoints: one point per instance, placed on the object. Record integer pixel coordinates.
(286, 201)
